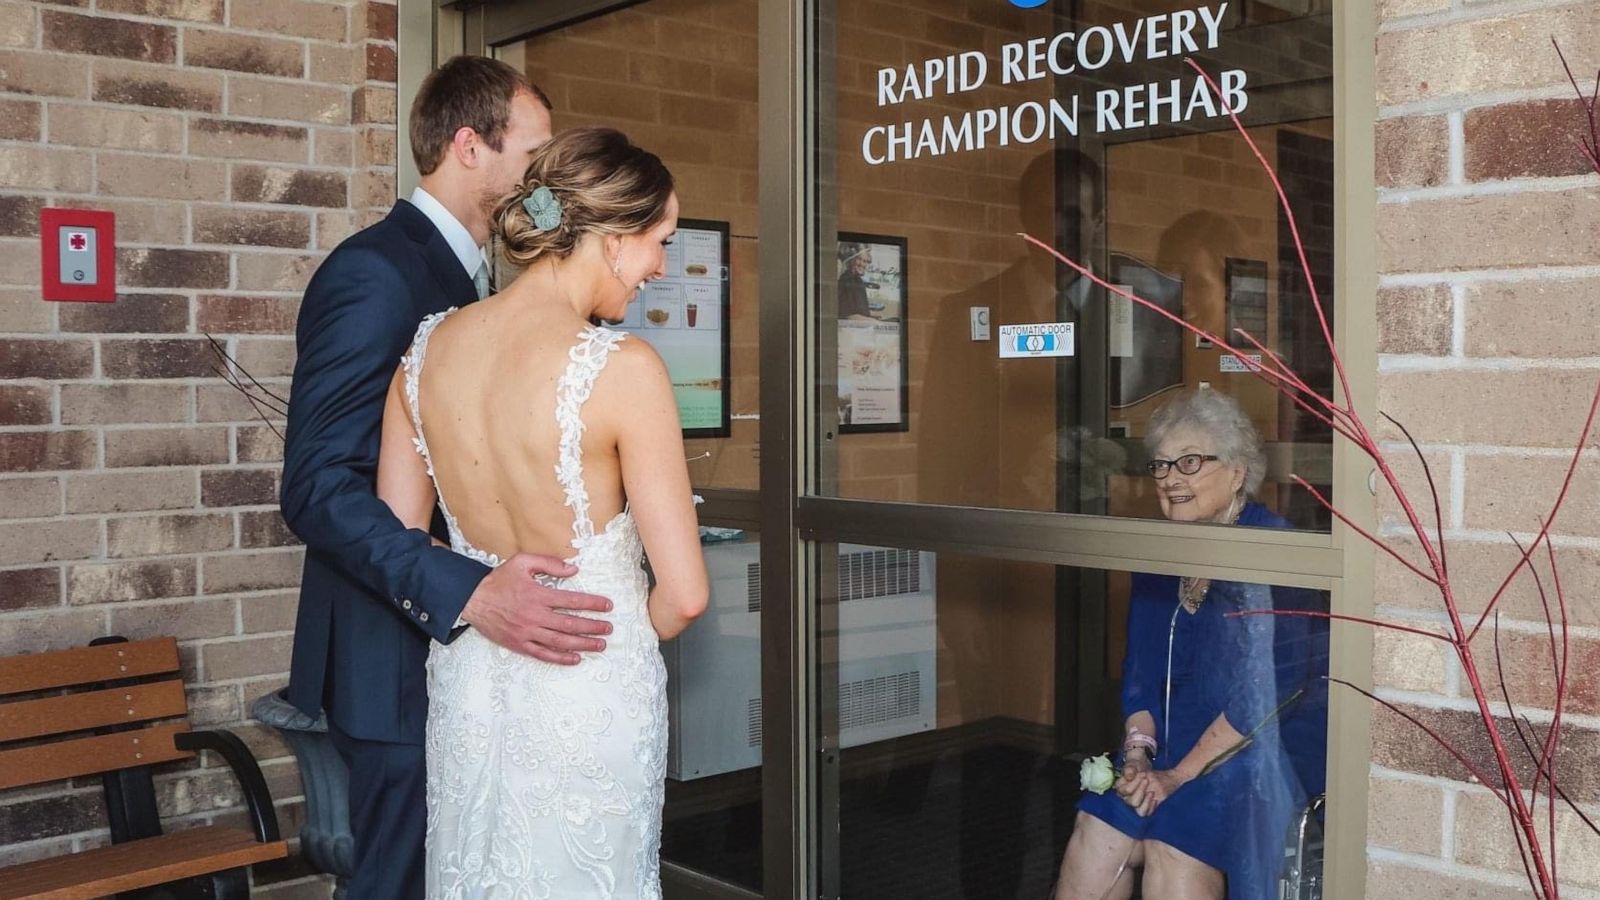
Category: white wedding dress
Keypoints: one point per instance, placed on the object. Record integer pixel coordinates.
(545, 782)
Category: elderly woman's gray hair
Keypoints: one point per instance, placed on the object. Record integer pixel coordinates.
(1218, 416)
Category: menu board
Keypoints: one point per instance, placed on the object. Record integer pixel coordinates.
(684, 316)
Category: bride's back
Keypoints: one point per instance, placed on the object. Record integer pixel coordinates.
(487, 399)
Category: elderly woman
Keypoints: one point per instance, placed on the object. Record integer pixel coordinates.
(1196, 682)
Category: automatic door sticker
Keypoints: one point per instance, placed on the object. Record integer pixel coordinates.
(1045, 339)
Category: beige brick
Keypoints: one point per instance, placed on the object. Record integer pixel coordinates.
(220, 705)
(1396, 881)
(142, 221)
(189, 10)
(272, 612)
(236, 572)
(265, 528)
(373, 188)
(22, 312)
(261, 99)
(163, 177)
(52, 630)
(258, 445)
(20, 120)
(45, 169)
(1513, 493)
(334, 146)
(334, 227)
(26, 404)
(147, 447)
(238, 487)
(131, 314)
(1410, 662)
(104, 404)
(116, 129)
(275, 271)
(621, 101)
(1494, 231)
(159, 86)
(1530, 668)
(224, 403)
(383, 63)
(1395, 9)
(144, 41)
(1415, 321)
(132, 491)
(121, 582)
(163, 358)
(22, 543)
(24, 498)
(165, 535)
(17, 264)
(1413, 151)
(383, 22)
(1488, 407)
(251, 227)
(267, 358)
(29, 588)
(17, 24)
(1405, 815)
(49, 359)
(292, 187)
(229, 139)
(318, 21)
(1413, 480)
(337, 64)
(1501, 319)
(378, 146)
(46, 451)
(186, 620)
(373, 104)
(43, 74)
(210, 49)
(227, 660)
(1483, 838)
(226, 314)
(1477, 570)
(1493, 54)
(156, 268)
(1522, 140)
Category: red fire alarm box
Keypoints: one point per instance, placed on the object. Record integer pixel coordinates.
(79, 248)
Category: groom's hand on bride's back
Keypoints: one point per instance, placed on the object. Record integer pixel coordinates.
(518, 613)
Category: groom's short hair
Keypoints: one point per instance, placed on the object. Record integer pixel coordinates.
(465, 92)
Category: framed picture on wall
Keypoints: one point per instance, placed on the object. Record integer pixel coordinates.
(684, 316)
(872, 333)
(1247, 299)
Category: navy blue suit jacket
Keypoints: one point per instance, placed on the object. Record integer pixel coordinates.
(373, 592)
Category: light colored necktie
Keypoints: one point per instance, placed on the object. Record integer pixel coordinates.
(480, 281)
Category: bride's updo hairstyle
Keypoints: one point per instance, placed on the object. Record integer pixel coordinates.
(601, 182)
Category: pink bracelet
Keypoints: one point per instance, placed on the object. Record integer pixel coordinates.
(1138, 738)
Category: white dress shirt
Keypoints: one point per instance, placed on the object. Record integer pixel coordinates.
(460, 240)
(455, 233)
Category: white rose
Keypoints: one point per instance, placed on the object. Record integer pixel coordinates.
(1097, 774)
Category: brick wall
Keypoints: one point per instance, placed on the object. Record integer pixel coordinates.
(237, 142)
(1489, 295)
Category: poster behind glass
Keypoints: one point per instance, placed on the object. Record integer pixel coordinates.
(684, 316)
(872, 333)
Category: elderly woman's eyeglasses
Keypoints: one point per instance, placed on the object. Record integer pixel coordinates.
(1188, 464)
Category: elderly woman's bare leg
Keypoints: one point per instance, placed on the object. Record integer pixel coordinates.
(1099, 862)
(1171, 874)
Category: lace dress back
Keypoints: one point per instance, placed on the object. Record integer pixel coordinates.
(545, 782)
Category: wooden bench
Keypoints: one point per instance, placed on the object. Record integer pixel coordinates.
(115, 709)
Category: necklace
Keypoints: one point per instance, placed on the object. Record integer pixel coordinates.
(1192, 591)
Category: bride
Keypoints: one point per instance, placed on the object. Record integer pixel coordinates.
(536, 431)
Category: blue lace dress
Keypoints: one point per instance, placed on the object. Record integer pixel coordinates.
(1236, 817)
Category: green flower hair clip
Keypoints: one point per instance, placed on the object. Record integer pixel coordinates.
(543, 208)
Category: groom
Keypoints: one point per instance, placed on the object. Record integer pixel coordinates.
(373, 593)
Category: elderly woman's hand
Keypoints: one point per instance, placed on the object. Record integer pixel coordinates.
(1149, 789)
(1134, 765)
